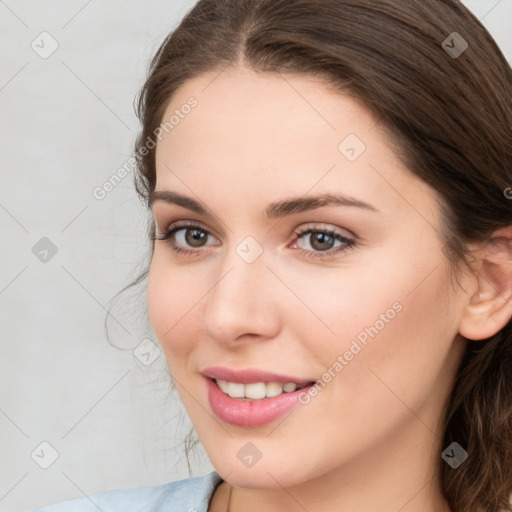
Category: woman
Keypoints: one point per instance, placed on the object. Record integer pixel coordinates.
(331, 278)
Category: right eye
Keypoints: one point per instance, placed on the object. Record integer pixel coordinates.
(182, 235)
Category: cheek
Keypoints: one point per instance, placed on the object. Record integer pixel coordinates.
(396, 316)
(171, 296)
(395, 341)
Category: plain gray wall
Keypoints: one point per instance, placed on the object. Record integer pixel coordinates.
(67, 125)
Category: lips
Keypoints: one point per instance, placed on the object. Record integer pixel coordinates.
(250, 376)
(251, 405)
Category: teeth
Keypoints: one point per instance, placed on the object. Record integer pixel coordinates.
(223, 385)
(235, 390)
(273, 389)
(256, 390)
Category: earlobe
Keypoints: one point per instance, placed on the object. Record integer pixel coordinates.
(489, 308)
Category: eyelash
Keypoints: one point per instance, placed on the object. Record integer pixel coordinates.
(178, 226)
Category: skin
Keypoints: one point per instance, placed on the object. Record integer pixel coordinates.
(371, 439)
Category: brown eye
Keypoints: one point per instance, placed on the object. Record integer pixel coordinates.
(185, 238)
(194, 237)
(321, 241)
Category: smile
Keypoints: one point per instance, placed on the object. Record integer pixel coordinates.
(257, 390)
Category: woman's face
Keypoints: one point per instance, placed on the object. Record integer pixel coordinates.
(316, 256)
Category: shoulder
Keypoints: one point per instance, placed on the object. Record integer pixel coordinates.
(191, 494)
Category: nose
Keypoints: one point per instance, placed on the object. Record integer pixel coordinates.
(242, 304)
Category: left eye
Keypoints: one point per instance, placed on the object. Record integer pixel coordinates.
(322, 241)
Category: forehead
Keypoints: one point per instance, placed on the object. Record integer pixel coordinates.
(269, 134)
(242, 106)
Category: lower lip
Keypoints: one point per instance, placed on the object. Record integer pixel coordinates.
(251, 413)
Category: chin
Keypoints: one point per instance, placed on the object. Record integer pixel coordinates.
(263, 475)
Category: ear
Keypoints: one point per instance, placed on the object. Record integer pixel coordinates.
(489, 308)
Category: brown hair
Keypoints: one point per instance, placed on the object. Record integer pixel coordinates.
(450, 120)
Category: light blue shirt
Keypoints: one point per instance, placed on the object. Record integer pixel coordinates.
(189, 495)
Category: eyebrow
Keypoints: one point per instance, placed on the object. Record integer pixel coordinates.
(274, 210)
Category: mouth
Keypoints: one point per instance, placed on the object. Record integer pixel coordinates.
(252, 398)
(258, 390)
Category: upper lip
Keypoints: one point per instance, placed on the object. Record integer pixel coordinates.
(250, 375)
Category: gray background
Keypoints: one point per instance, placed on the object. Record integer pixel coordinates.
(67, 125)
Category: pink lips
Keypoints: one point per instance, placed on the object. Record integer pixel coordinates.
(248, 376)
(250, 413)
